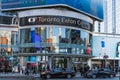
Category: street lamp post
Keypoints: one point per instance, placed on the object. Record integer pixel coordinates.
(103, 50)
(119, 72)
(105, 57)
(99, 60)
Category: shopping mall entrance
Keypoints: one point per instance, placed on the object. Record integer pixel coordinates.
(51, 61)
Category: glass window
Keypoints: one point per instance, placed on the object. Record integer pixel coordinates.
(53, 39)
(14, 38)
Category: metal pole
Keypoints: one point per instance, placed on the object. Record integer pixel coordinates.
(114, 65)
(119, 74)
(119, 69)
(99, 60)
(105, 62)
(12, 59)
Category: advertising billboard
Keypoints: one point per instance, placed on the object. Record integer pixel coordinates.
(91, 7)
(109, 46)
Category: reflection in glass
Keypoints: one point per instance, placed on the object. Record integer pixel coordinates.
(53, 40)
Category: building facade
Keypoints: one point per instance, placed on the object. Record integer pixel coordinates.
(109, 30)
(111, 16)
(54, 34)
(8, 42)
(109, 48)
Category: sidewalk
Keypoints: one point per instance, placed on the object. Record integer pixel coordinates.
(11, 74)
(23, 75)
(35, 75)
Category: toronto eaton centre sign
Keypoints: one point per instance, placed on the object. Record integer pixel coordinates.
(55, 20)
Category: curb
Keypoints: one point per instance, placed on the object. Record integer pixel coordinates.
(15, 76)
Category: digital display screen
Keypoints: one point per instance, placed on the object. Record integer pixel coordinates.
(92, 7)
(35, 38)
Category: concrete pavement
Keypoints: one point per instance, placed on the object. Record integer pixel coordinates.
(12, 75)
(34, 75)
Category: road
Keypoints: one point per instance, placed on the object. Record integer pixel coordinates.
(17, 76)
(59, 79)
(116, 78)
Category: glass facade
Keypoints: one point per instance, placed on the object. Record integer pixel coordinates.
(47, 39)
(8, 47)
(7, 40)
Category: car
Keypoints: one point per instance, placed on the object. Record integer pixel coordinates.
(58, 72)
(103, 72)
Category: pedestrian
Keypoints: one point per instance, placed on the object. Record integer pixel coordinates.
(26, 71)
(75, 69)
(21, 70)
(34, 70)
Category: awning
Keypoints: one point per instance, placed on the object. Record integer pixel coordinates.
(109, 58)
(55, 54)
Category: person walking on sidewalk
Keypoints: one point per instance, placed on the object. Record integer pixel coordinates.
(26, 71)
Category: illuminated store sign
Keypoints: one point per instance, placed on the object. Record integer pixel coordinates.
(56, 20)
